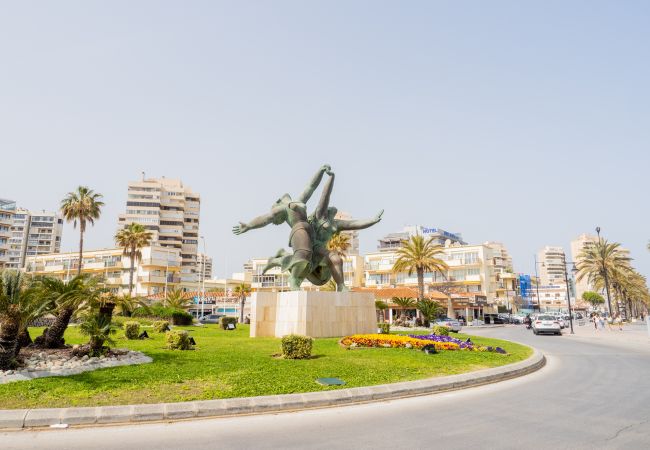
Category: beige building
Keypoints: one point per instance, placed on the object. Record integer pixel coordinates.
(551, 261)
(7, 210)
(170, 210)
(32, 234)
(159, 268)
(202, 260)
(551, 297)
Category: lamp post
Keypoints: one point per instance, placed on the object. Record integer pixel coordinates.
(539, 305)
(609, 301)
(203, 277)
(568, 293)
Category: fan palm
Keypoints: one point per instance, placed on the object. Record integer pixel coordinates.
(132, 239)
(100, 329)
(419, 255)
(177, 298)
(339, 243)
(429, 310)
(381, 306)
(404, 303)
(596, 262)
(82, 206)
(67, 297)
(242, 290)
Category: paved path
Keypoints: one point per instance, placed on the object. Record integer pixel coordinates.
(593, 393)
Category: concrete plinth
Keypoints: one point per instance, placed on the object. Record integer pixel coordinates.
(316, 314)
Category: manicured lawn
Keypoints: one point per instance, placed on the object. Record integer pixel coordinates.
(230, 364)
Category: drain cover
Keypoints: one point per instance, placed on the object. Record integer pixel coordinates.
(330, 381)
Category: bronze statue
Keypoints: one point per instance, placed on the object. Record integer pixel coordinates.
(309, 235)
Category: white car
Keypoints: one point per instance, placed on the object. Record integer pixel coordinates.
(546, 324)
(452, 324)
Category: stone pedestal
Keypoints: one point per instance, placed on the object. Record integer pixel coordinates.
(316, 314)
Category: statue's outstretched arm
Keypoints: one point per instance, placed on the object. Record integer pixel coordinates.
(313, 184)
(324, 202)
(258, 222)
(344, 225)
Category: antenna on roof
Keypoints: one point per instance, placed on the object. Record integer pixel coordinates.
(143, 175)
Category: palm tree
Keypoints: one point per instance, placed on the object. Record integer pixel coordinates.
(67, 297)
(177, 298)
(132, 239)
(419, 255)
(339, 243)
(83, 206)
(429, 310)
(18, 307)
(381, 306)
(404, 303)
(596, 262)
(100, 329)
(242, 290)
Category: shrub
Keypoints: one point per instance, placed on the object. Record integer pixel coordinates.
(132, 329)
(224, 321)
(295, 346)
(182, 318)
(441, 330)
(178, 340)
(384, 328)
(160, 326)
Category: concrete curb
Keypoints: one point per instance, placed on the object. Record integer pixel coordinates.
(17, 419)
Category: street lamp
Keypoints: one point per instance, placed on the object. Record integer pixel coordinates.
(574, 270)
(203, 278)
(609, 302)
(539, 305)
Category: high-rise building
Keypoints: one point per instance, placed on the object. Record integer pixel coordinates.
(551, 261)
(170, 210)
(207, 272)
(26, 233)
(441, 237)
(33, 233)
(7, 210)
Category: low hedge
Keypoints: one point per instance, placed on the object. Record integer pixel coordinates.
(225, 320)
(178, 340)
(384, 328)
(160, 326)
(175, 316)
(295, 346)
(441, 330)
(132, 329)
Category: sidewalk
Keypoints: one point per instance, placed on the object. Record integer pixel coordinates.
(634, 332)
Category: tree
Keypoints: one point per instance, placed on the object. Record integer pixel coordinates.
(132, 239)
(429, 309)
(404, 303)
(82, 206)
(598, 261)
(177, 298)
(593, 298)
(19, 306)
(100, 329)
(419, 255)
(339, 243)
(381, 306)
(67, 297)
(242, 290)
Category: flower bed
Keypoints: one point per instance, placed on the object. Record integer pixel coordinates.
(393, 341)
(463, 345)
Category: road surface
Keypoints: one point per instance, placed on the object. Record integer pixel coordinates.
(593, 393)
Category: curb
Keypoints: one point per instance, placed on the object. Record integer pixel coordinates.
(16, 419)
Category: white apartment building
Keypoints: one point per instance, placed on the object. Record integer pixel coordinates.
(551, 297)
(204, 273)
(441, 237)
(158, 269)
(7, 210)
(32, 234)
(551, 260)
(170, 210)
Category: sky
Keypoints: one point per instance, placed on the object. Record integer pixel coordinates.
(521, 122)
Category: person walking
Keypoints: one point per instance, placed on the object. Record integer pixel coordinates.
(594, 319)
(601, 322)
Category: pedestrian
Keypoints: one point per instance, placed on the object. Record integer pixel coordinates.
(619, 322)
(594, 319)
(601, 322)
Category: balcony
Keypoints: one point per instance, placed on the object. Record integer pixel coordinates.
(160, 279)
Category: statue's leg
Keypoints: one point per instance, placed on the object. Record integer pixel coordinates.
(298, 273)
(301, 263)
(335, 263)
(275, 261)
(320, 275)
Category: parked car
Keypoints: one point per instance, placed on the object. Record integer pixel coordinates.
(211, 318)
(452, 324)
(546, 324)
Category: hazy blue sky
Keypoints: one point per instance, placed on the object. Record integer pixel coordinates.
(521, 122)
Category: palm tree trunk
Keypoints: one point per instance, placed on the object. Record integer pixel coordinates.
(132, 255)
(242, 303)
(9, 329)
(53, 335)
(81, 245)
(24, 339)
(106, 310)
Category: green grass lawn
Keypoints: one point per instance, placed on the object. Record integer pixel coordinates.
(229, 364)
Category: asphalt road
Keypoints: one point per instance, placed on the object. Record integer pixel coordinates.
(591, 394)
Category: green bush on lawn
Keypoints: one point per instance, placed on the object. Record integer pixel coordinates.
(132, 329)
(174, 315)
(178, 340)
(160, 326)
(225, 320)
(295, 346)
(441, 330)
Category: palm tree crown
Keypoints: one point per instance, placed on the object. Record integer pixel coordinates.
(419, 255)
(339, 244)
(132, 239)
(82, 206)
